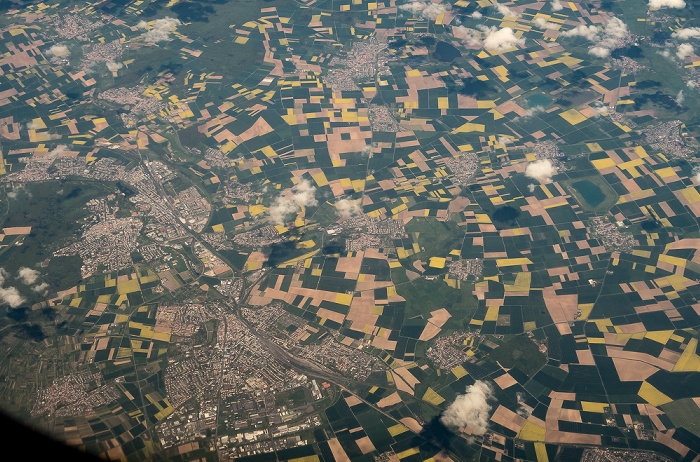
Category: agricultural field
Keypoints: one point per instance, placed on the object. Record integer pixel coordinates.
(318, 230)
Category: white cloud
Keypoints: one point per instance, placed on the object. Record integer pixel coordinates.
(666, 4)
(697, 178)
(426, 9)
(28, 275)
(557, 6)
(529, 113)
(680, 98)
(600, 52)
(11, 296)
(3, 275)
(161, 29)
(616, 28)
(41, 288)
(477, 15)
(505, 11)
(500, 39)
(433, 10)
(347, 207)
(58, 50)
(588, 32)
(541, 170)
(666, 53)
(685, 50)
(690, 83)
(302, 196)
(600, 108)
(523, 410)
(542, 23)
(34, 125)
(112, 66)
(470, 409)
(367, 150)
(58, 150)
(503, 140)
(684, 34)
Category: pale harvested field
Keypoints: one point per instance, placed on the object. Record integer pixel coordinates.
(390, 400)
(365, 445)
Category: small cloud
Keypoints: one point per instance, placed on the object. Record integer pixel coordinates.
(58, 150)
(303, 195)
(160, 32)
(542, 23)
(477, 15)
(505, 11)
(41, 288)
(600, 108)
(690, 84)
(616, 28)
(697, 177)
(503, 140)
(556, 5)
(28, 275)
(529, 112)
(680, 98)
(600, 52)
(685, 50)
(367, 150)
(666, 4)
(58, 50)
(113, 67)
(11, 296)
(666, 53)
(425, 9)
(587, 32)
(348, 207)
(689, 33)
(471, 409)
(523, 411)
(34, 125)
(541, 170)
(500, 39)
(13, 194)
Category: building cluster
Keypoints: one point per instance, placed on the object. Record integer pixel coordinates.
(627, 65)
(547, 149)
(71, 395)
(259, 237)
(364, 60)
(108, 243)
(103, 53)
(373, 225)
(382, 120)
(448, 352)
(237, 192)
(137, 104)
(192, 208)
(265, 441)
(102, 209)
(216, 158)
(151, 252)
(666, 137)
(230, 288)
(620, 118)
(182, 320)
(188, 423)
(464, 167)
(71, 26)
(217, 240)
(462, 269)
(362, 241)
(327, 351)
(621, 455)
(213, 265)
(610, 236)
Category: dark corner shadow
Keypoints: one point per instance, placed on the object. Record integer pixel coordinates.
(18, 438)
(437, 433)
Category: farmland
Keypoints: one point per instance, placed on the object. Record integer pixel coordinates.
(351, 230)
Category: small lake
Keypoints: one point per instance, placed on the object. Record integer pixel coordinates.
(538, 100)
(590, 192)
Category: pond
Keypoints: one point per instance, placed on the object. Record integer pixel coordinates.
(538, 100)
(590, 192)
